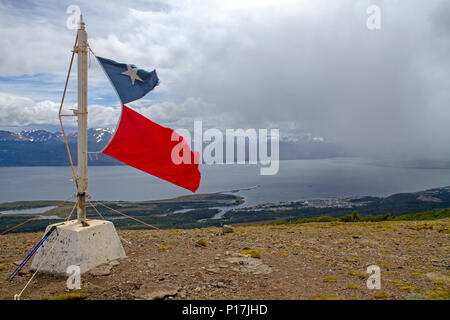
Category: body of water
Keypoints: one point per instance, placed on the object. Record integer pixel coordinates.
(28, 211)
(296, 180)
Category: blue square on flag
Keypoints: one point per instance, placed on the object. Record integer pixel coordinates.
(130, 82)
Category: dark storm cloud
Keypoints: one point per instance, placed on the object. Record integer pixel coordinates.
(301, 66)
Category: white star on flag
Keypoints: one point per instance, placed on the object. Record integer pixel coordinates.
(132, 73)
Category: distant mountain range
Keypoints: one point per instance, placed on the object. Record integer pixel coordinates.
(97, 135)
(44, 148)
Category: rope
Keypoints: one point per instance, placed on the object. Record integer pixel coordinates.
(68, 217)
(59, 204)
(60, 116)
(89, 47)
(20, 224)
(37, 217)
(17, 296)
(98, 212)
(125, 215)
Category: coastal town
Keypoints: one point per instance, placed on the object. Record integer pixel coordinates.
(344, 202)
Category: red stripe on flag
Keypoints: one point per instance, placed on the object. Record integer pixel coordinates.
(147, 146)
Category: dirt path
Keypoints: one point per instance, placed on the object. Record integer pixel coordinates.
(309, 261)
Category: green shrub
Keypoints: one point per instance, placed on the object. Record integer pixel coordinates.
(201, 243)
(251, 253)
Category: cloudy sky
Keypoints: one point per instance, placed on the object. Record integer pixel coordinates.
(304, 66)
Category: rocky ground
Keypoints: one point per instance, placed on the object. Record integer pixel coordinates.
(308, 261)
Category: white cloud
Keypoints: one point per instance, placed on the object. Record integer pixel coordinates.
(22, 111)
(296, 65)
(16, 111)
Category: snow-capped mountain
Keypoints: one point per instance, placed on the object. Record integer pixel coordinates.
(95, 135)
(10, 136)
(40, 136)
(41, 147)
(44, 148)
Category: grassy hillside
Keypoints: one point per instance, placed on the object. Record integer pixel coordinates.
(355, 217)
(316, 260)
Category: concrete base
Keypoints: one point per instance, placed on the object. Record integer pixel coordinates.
(86, 247)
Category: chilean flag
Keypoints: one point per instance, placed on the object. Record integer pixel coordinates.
(142, 143)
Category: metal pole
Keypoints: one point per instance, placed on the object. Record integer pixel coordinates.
(82, 176)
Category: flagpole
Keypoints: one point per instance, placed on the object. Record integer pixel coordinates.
(74, 244)
(82, 175)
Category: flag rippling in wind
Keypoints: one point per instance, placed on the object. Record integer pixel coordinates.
(130, 82)
(140, 142)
